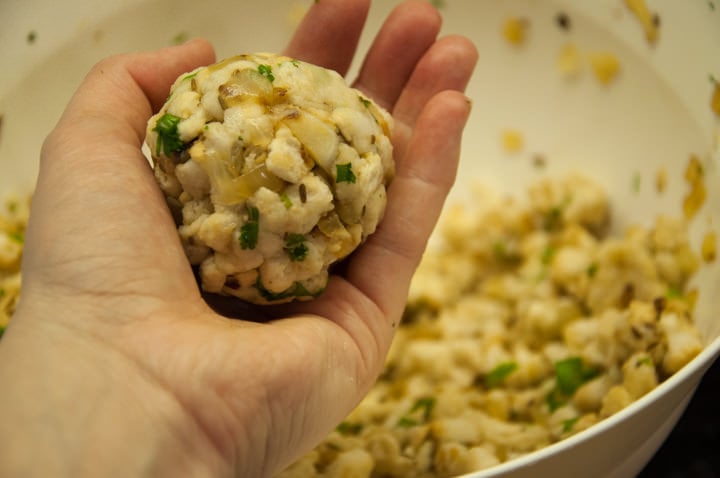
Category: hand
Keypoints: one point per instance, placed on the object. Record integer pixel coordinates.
(114, 364)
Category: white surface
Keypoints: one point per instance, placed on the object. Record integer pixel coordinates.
(655, 115)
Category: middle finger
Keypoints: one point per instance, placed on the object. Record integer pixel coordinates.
(403, 39)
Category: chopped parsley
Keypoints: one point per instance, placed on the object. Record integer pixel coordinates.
(592, 270)
(190, 76)
(295, 247)
(266, 71)
(295, 290)
(349, 428)
(2, 292)
(570, 374)
(345, 173)
(554, 217)
(180, 38)
(168, 141)
(419, 413)
(506, 253)
(2, 330)
(498, 375)
(568, 424)
(673, 293)
(287, 202)
(249, 230)
(644, 361)
(17, 236)
(547, 255)
(365, 101)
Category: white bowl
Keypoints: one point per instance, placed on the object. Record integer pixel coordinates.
(654, 116)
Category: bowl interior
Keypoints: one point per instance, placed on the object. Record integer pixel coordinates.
(653, 117)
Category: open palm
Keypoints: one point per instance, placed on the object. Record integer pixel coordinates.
(124, 350)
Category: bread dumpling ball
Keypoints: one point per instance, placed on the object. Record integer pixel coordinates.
(274, 169)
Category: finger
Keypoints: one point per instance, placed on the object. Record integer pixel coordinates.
(329, 33)
(382, 268)
(95, 191)
(447, 65)
(160, 68)
(126, 89)
(405, 36)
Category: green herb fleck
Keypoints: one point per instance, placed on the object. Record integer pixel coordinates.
(286, 200)
(295, 63)
(592, 270)
(2, 331)
(2, 292)
(673, 293)
(168, 141)
(553, 218)
(295, 247)
(547, 255)
(569, 424)
(249, 230)
(349, 428)
(438, 4)
(295, 290)
(570, 374)
(266, 71)
(498, 375)
(190, 76)
(506, 254)
(180, 38)
(31, 37)
(406, 422)
(644, 361)
(422, 407)
(345, 173)
(365, 101)
(17, 236)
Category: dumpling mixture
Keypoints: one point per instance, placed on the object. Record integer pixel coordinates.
(528, 322)
(14, 214)
(274, 169)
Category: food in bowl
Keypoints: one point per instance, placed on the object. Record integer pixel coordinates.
(275, 169)
(13, 219)
(527, 324)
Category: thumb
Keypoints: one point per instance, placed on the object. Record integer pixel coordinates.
(122, 91)
(95, 192)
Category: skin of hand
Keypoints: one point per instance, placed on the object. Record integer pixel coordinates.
(114, 365)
